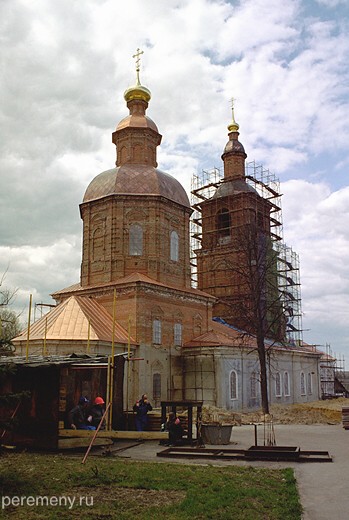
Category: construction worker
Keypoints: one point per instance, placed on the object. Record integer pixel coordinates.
(96, 412)
(77, 416)
(142, 407)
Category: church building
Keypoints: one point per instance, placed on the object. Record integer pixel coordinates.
(135, 294)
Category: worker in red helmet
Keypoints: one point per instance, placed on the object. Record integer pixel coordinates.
(96, 413)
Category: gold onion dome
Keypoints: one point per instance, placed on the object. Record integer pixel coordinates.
(138, 91)
(233, 125)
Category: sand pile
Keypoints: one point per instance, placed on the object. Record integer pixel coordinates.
(317, 412)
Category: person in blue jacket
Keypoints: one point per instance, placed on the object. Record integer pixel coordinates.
(141, 408)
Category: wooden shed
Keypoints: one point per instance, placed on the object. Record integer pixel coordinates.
(54, 385)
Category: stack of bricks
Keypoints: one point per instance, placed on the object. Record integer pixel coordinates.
(345, 417)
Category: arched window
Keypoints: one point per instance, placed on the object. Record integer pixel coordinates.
(157, 332)
(178, 333)
(174, 246)
(233, 385)
(156, 388)
(136, 240)
(253, 385)
(286, 384)
(278, 384)
(310, 384)
(302, 383)
(98, 244)
(223, 223)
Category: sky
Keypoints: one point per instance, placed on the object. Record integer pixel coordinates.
(65, 66)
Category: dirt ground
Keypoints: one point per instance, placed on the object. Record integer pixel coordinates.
(328, 411)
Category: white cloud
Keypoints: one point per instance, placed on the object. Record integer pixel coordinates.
(66, 65)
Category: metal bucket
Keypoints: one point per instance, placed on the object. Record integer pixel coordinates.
(216, 433)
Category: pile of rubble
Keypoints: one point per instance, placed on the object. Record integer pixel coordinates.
(316, 412)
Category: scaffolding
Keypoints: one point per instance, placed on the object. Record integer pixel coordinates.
(267, 185)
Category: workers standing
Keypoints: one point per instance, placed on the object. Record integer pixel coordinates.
(141, 408)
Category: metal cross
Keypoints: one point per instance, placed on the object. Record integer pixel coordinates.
(138, 59)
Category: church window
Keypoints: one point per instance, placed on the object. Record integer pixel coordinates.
(157, 388)
(123, 154)
(157, 332)
(98, 244)
(197, 325)
(223, 221)
(253, 383)
(278, 384)
(233, 385)
(309, 384)
(137, 154)
(174, 246)
(178, 333)
(136, 240)
(302, 383)
(286, 384)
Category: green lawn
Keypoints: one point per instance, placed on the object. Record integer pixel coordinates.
(124, 489)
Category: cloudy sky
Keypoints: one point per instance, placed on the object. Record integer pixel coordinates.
(65, 66)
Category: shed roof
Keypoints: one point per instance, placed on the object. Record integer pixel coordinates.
(77, 318)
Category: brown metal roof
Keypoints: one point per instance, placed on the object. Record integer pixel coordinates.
(70, 321)
(136, 179)
(132, 278)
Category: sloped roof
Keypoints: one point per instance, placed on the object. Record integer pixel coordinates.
(132, 278)
(71, 320)
(224, 335)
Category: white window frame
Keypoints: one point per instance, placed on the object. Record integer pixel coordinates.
(302, 382)
(278, 384)
(287, 392)
(157, 331)
(174, 246)
(233, 385)
(135, 246)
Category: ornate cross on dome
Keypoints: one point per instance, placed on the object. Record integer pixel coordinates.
(233, 126)
(138, 58)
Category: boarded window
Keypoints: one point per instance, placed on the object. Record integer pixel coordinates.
(310, 384)
(136, 240)
(233, 380)
(157, 389)
(302, 383)
(253, 385)
(174, 246)
(278, 384)
(286, 384)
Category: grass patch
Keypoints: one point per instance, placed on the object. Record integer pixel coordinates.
(124, 489)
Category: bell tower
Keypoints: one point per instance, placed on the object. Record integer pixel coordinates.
(236, 241)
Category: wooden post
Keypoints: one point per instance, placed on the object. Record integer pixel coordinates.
(95, 434)
(111, 384)
(28, 331)
(44, 349)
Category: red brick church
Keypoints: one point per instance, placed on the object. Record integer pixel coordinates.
(135, 290)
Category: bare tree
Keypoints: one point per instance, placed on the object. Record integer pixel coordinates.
(255, 302)
(9, 320)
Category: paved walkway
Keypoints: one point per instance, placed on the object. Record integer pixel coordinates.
(323, 487)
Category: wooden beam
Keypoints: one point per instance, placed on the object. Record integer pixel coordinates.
(112, 434)
(77, 442)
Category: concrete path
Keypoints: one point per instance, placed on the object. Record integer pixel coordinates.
(323, 486)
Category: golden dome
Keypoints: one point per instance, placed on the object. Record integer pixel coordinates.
(138, 91)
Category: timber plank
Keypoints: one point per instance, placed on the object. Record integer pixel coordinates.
(65, 444)
(112, 434)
